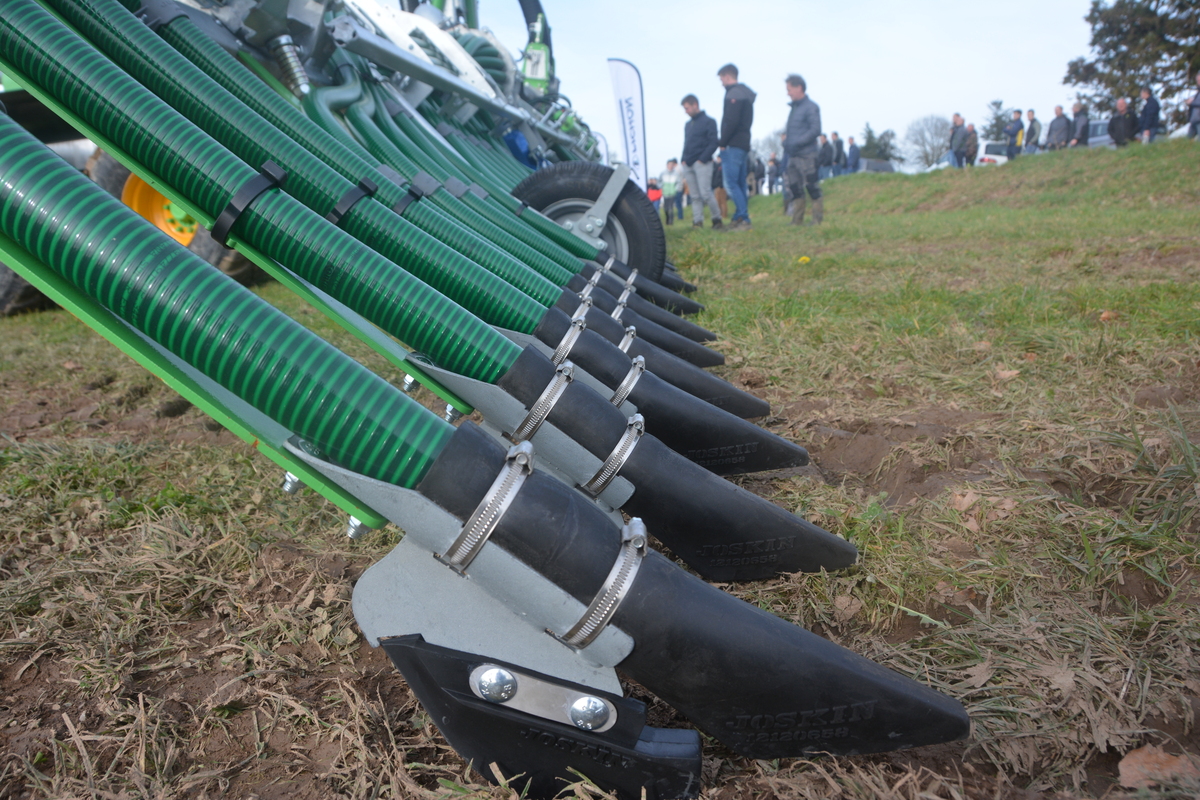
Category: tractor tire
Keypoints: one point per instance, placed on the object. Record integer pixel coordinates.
(18, 296)
(634, 232)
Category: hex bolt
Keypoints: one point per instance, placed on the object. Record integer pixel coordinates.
(356, 528)
(410, 384)
(589, 713)
(291, 483)
(453, 415)
(496, 685)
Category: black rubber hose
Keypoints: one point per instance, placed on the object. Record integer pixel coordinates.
(648, 289)
(699, 431)
(607, 302)
(675, 371)
(762, 686)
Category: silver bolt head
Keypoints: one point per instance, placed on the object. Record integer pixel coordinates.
(291, 483)
(589, 713)
(496, 685)
(356, 528)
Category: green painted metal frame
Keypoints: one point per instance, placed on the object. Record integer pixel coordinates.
(343, 316)
(166, 368)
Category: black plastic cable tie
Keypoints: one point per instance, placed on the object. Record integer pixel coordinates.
(478, 191)
(157, 13)
(365, 188)
(391, 174)
(455, 187)
(402, 205)
(521, 208)
(423, 184)
(271, 176)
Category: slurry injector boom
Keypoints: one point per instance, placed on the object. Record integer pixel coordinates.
(513, 603)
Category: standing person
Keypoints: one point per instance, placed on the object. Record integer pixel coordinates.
(1194, 112)
(671, 182)
(699, 145)
(971, 148)
(1148, 119)
(736, 119)
(958, 140)
(718, 190)
(1012, 132)
(1080, 127)
(772, 174)
(760, 174)
(654, 193)
(852, 157)
(839, 155)
(1123, 127)
(1033, 133)
(803, 129)
(824, 159)
(1059, 132)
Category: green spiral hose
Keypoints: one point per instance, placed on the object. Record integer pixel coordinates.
(188, 159)
(160, 288)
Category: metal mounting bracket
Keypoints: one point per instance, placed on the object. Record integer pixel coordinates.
(588, 226)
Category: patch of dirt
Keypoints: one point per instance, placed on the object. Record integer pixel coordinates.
(1159, 396)
(917, 454)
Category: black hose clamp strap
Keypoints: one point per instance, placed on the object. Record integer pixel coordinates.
(391, 174)
(479, 191)
(157, 13)
(403, 203)
(521, 208)
(365, 188)
(455, 187)
(271, 176)
(602, 608)
(487, 515)
(617, 458)
(541, 409)
(627, 339)
(625, 388)
(578, 325)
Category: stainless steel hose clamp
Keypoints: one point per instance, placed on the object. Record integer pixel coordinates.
(625, 388)
(617, 458)
(600, 613)
(487, 515)
(568, 341)
(627, 339)
(584, 305)
(545, 403)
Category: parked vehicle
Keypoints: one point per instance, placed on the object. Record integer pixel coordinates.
(992, 153)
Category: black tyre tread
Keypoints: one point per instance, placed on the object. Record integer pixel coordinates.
(585, 180)
(17, 295)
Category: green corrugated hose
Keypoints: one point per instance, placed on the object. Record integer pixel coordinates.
(189, 160)
(418, 249)
(160, 288)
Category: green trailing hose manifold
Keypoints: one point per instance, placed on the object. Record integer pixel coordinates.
(52, 57)
(122, 261)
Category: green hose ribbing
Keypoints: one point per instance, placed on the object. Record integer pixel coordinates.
(189, 160)
(253, 139)
(208, 320)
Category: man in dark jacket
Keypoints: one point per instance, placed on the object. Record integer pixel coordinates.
(971, 148)
(1033, 133)
(1012, 132)
(852, 157)
(1193, 109)
(734, 141)
(1148, 119)
(803, 128)
(699, 144)
(1080, 127)
(958, 140)
(1123, 127)
(1059, 132)
(824, 159)
(839, 154)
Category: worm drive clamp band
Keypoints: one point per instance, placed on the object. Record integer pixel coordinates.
(627, 339)
(616, 586)
(616, 312)
(541, 409)
(517, 467)
(617, 458)
(631, 378)
(591, 284)
(584, 305)
(569, 338)
(624, 298)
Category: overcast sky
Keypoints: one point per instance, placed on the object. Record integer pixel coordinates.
(886, 63)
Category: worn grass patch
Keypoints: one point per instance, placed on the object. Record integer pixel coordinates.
(996, 371)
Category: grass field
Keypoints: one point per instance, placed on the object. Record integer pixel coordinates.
(997, 372)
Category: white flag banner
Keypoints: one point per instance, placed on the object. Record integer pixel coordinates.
(627, 85)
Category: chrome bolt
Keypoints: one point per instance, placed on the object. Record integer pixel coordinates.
(589, 227)
(569, 225)
(589, 713)
(496, 685)
(356, 528)
(291, 484)
(453, 415)
(410, 384)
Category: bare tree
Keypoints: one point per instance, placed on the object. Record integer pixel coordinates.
(927, 139)
(769, 145)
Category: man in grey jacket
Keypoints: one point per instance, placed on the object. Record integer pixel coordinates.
(1059, 132)
(803, 128)
(699, 145)
(1080, 127)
